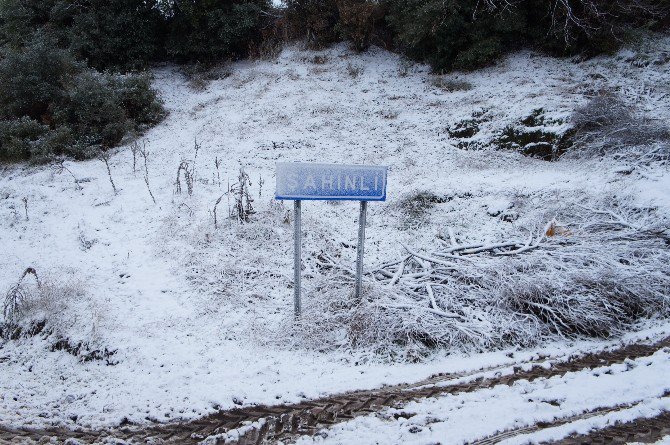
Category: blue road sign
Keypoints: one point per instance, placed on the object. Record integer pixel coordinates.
(333, 182)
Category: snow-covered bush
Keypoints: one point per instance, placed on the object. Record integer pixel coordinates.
(57, 308)
(26, 138)
(93, 110)
(139, 100)
(596, 274)
(415, 206)
(52, 303)
(451, 84)
(606, 125)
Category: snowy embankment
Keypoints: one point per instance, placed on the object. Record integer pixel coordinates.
(196, 318)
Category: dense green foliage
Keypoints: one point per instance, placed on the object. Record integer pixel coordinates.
(55, 105)
(119, 33)
(209, 30)
(25, 138)
(313, 19)
(469, 34)
(33, 77)
(130, 34)
(452, 34)
(124, 34)
(323, 22)
(60, 62)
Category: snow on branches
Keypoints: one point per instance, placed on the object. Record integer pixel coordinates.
(593, 275)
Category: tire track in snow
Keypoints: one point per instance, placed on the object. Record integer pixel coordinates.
(641, 430)
(269, 424)
(503, 435)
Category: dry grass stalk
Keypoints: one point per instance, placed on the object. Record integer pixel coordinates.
(16, 297)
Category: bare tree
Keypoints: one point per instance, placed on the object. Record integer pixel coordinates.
(568, 17)
(598, 16)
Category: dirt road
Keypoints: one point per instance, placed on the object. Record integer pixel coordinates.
(269, 424)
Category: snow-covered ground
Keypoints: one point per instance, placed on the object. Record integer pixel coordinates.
(638, 385)
(196, 315)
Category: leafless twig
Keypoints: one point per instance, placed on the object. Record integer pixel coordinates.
(135, 149)
(145, 155)
(243, 200)
(215, 206)
(185, 169)
(217, 164)
(61, 167)
(104, 156)
(25, 206)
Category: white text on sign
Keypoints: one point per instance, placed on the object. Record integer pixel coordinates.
(298, 181)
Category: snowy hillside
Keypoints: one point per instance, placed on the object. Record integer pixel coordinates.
(168, 317)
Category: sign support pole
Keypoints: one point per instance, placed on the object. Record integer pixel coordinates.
(300, 181)
(361, 248)
(296, 259)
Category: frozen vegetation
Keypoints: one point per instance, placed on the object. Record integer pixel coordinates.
(527, 205)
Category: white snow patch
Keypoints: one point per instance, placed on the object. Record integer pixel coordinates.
(185, 306)
(465, 417)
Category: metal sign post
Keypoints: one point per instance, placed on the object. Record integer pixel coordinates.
(329, 182)
(361, 248)
(297, 251)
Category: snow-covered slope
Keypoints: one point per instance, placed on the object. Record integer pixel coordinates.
(195, 314)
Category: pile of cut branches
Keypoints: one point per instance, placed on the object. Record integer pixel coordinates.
(594, 276)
